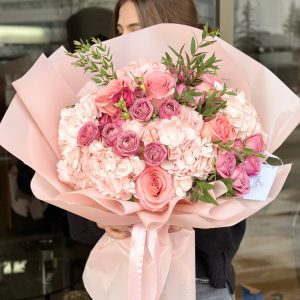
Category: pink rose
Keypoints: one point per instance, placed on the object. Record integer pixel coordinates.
(208, 84)
(169, 108)
(127, 143)
(159, 84)
(238, 144)
(104, 120)
(109, 133)
(219, 128)
(255, 142)
(211, 80)
(104, 99)
(154, 189)
(141, 110)
(139, 92)
(252, 165)
(87, 134)
(241, 183)
(201, 88)
(126, 94)
(180, 88)
(226, 163)
(116, 118)
(155, 154)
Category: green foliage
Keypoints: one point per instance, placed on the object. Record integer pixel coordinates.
(228, 182)
(213, 103)
(96, 59)
(189, 68)
(200, 192)
(195, 62)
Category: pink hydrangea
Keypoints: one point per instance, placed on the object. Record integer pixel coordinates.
(73, 118)
(242, 115)
(194, 158)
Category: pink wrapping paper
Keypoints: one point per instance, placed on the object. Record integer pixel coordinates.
(29, 131)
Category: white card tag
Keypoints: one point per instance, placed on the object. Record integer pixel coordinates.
(261, 184)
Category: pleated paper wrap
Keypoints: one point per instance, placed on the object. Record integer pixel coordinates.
(153, 264)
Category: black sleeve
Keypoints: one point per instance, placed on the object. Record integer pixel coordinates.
(25, 174)
(215, 249)
(83, 230)
(220, 240)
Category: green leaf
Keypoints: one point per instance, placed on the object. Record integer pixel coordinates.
(188, 60)
(248, 152)
(193, 46)
(231, 93)
(95, 59)
(230, 143)
(204, 185)
(238, 154)
(207, 44)
(260, 155)
(207, 198)
(174, 51)
(125, 115)
(205, 32)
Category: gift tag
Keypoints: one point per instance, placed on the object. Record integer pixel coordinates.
(261, 184)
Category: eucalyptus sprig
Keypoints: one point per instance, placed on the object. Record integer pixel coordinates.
(198, 63)
(187, 97)
(96, 59)
(192, 65)
(214, 102)
(240, 154)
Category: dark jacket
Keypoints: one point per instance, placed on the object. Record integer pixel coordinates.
(215, 248)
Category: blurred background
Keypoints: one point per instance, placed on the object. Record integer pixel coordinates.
(38, 260)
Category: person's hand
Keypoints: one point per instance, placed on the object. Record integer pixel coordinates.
(124, 231)
(173, 228)
(118, 232)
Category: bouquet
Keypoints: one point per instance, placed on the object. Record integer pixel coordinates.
(172, 139)
(153, 132)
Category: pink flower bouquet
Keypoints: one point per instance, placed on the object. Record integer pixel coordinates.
(172, 139)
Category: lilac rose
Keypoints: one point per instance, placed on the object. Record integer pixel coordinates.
(155, 154)
(104, 120)
(169, 109)
(109, 133)
(87, 134)
(127, 143)
(141, 110)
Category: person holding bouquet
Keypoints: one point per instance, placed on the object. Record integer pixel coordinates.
(215, 248)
